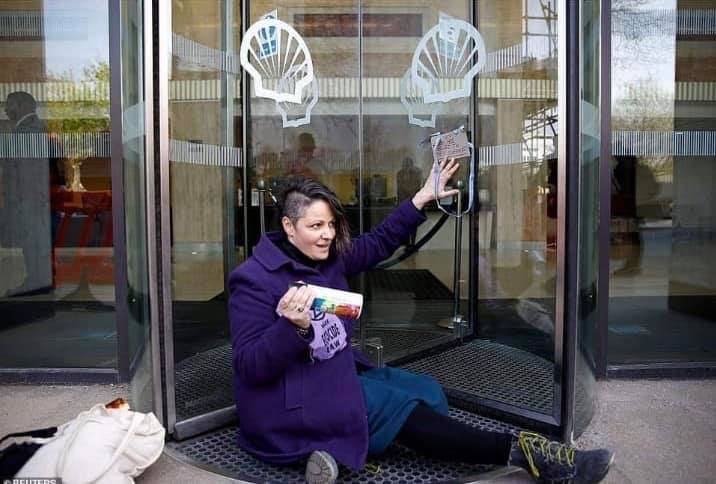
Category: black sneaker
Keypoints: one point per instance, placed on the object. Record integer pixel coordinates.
(592, 465)
(321, 468)
(555, 462)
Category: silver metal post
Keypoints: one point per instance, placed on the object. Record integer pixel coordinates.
(227, 139)
(456, 322)
(362, 323)
(261, 187)
(457, 258)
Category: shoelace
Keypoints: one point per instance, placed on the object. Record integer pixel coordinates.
(531, 443)
(373, 468)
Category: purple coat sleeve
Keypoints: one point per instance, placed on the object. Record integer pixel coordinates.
(377, 245)
(264, 343)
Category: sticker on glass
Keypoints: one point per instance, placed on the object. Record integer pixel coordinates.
(447, 59)
(277, 59)
(295, 115)
(411, 96)
(269, 46)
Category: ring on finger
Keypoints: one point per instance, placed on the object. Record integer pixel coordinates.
(299, 309)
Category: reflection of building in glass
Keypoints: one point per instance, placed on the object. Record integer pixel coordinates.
(57, 247)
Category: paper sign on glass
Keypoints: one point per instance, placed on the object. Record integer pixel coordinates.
(453, 144)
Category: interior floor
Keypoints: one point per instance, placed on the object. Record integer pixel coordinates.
(476, 371)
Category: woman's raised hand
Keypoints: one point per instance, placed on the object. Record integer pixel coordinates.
(427, 193)
(295, 304)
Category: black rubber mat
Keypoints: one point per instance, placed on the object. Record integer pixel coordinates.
(501, 373)
(493, 371)
(484, 369)
(199, 326)
(405, 284)
(218, 452)
(203, 380)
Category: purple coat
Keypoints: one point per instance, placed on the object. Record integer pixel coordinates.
(288, 405)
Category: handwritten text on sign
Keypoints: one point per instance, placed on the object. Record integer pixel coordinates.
(450, 145)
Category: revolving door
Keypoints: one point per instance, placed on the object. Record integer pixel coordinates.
(495, 305)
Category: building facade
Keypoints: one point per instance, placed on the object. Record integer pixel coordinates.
(140, 144)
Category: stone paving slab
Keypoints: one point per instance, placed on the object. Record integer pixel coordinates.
(663, 431)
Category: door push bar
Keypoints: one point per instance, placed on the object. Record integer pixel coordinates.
(263, 189)
(457, 323)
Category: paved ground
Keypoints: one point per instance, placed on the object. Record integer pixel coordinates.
(662, 431)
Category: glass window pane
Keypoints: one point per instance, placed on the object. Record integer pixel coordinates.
(587, 314)
(56, 246)
(205, 128)
(134, 158)
(517, 187)
(409, 305)
(663, 215)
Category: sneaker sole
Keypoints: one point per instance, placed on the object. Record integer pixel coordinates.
(321, 468)
(606, 471)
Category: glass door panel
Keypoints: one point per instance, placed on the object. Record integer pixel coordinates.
(590, 140)
(517, 184)
(317, 137)
(134, 158)
(508, 359)
(361, 127)
(57, 246)
(204, 176)
(662, 290)
(409, 302)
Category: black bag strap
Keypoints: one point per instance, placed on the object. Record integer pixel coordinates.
(42, 433)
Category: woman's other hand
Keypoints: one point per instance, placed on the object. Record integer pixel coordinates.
(427, 193)
(295, 304)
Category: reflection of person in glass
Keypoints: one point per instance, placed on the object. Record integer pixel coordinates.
(304, 162)
(25, 186)
(302, 391)
(408, 181)
(627, 238)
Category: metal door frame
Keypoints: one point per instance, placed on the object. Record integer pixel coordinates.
(561, 421)
(567, 230)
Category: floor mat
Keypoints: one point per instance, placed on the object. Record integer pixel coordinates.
(405, 283)
(500, 373)
(217, 451)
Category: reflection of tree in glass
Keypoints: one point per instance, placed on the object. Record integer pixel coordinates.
(84, 111)
(634, 25)
(647, 108)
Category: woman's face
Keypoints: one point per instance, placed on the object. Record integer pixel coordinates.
(313, 233)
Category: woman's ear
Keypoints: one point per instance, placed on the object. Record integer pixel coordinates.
(288, 226)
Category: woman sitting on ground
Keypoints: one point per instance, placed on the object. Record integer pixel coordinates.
(303, 392)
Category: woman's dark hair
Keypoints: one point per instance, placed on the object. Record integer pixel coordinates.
(297, 193)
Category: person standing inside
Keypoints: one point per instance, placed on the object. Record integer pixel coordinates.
(25, 222)
(408, 181)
